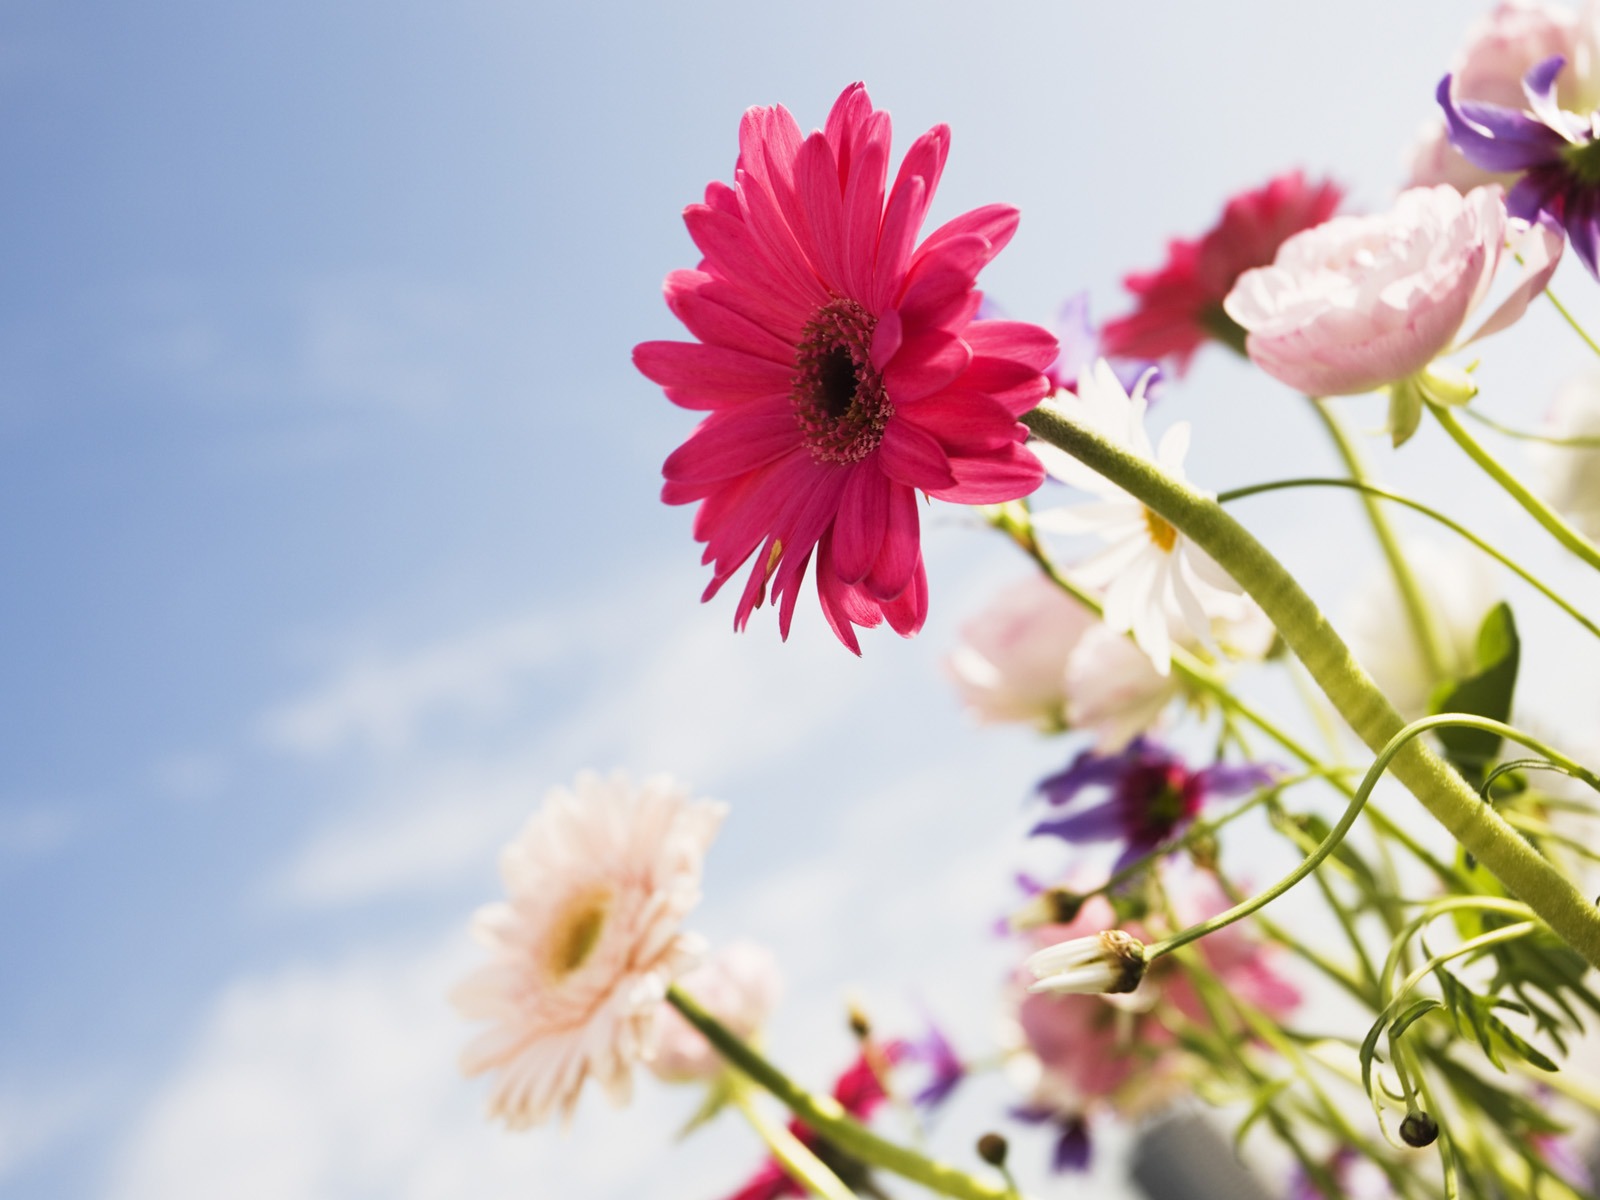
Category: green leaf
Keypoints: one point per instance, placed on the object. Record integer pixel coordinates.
(1477, 1012)
(1263, 1102)
(1485, 693)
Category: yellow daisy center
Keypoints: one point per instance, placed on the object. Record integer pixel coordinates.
(576, 932)
(1161, 530)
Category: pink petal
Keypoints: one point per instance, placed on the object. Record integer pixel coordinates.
(698, 376)
(785, 321)
(938, 286)
(901, 550)
(863, 518)
(909, 456)
(966, 423)
(817, 181)
(844, 127)
(1015, 340)
(777, 241)
(908, 205)
(1006, 475)
(995, 223)
(907, 611)
(1540, 249)
(733, 251)
(886, 338)
(718, 325)
(788, 595)
(928, 360)
(734, 441)
(863, 206)
(1015, 386)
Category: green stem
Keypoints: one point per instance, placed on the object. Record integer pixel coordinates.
(1572, 321)
(1455, 527)
(1396, 746)
(1577, 442)
(1474, 824)
(1196, 673)
(1430, 641)
(1535, 507)
(804, 1167)
(828, 1118)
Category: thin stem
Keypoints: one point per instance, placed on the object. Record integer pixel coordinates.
(1336, 835)
(1578, 442)
(793, 1155)
(828, 1118)
(1257, 489)
(1535, 507)
(1197, 674)
(1430, 641)
(1474, 824)
(1572, 321)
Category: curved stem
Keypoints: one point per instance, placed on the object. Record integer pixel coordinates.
(1430, 641)
(1535, 507)
(1577, 442)
(793, 1155)
(1455, 527)
(828, 1118)
(1474, 824)
(1572, 321)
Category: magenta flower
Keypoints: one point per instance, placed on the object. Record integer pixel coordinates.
(1142, 796)
(842, 366)
(1180, 304)
(1556, 152)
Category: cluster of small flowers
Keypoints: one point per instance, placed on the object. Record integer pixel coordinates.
(848, 372)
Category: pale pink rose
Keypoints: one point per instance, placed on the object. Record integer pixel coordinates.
(739, 986)
(1360, 303)
(586, 942)
(1011, 663)
(1038, 656)
(1499, 48)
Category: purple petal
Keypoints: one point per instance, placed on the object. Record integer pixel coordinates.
(1539, 85)
(1072, 1147)
(1495, 138)
(1583, 229)
(1080, 344)
(946, 1068)
(1089, 769)
(1100, 823)
(1532, 195)
(1235, 779)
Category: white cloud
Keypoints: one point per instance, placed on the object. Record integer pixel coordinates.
(339, 1081)
(381, 702)
(36, 1119)
(28, 831)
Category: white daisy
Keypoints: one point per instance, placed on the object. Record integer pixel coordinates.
(1151, 574)
(597, 884)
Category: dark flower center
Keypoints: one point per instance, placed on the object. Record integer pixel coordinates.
(1156, 799)
(1583, 161)
(839, 397)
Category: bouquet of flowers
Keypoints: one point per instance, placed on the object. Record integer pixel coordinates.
(1422, 1028)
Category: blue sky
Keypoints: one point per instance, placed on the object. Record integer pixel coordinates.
(331, 535)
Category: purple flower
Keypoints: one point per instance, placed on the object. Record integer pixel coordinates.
(1557, 153)
(945, 1068)
(1141, 796)
(1073, 1148)
(1081, 346)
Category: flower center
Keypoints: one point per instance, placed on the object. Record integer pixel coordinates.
(1583, 161)
(576, 932)
(838, 395)
(1161, 530)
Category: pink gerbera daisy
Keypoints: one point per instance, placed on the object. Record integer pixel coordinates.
(583, 948)
(842, 368)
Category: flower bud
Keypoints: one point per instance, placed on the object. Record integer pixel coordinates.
(1419, 1129)
(1053, 906)
(1107, 963)
(992, 1148)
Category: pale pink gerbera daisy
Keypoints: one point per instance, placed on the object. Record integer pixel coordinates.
(597, 885)
(842, 368)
